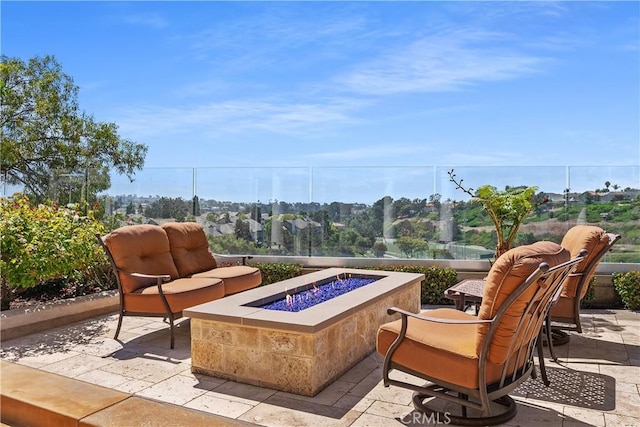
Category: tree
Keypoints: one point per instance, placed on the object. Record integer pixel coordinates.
(411, 247)
(242, 230)
(195, 206)
(379, 249)
(167, 207)
(45, 135)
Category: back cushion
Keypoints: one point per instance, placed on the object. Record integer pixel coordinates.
(594, 240)
(189, 248)
(140, 249)
(509, 271)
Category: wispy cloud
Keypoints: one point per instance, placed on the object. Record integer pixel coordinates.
(152, 20)
(262, 37)
(373, 152)
(237, 117)
(443, 62)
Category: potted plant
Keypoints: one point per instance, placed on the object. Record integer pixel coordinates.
(507, 208)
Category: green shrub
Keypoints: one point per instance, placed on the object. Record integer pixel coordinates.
(589, 296)
(627, 285)
(45, 242)
(437, 280)
(276, 272)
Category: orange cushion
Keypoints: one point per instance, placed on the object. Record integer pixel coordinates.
(444, 352)
(189, 248)
(180, 293)
(140, 249)
(508, 272)
(594, 240)
(237, 278)
(562, 310)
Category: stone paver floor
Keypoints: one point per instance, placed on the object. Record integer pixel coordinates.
(597, 382)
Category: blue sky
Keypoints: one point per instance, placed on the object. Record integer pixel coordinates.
(310, 84)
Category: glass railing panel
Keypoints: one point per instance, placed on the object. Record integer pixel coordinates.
(391, 212)
(156, 195)
(366, 210)
(253, 210)
(571, 196)
(609, 197)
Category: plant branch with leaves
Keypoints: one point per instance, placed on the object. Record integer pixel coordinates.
(507, 208)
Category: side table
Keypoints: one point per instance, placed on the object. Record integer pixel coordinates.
(467, 292)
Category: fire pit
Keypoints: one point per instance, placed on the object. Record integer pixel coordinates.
(303, 351)
(316, 293)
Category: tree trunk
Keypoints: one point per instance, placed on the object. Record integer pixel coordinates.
(500, 249)
(5, 295)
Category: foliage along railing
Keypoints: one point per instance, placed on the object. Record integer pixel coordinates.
(372, 212)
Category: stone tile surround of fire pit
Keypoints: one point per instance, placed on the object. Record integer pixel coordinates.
(298, 352)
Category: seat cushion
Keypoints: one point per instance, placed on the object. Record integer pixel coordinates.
(237, 278)
(445, 352)
(189, 248)
(594, 240)
(143, 249)
(562, 310)
(180, 293)
(509, 271)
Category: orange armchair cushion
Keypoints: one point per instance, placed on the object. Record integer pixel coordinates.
(189, 248)
(508, 272)
(140, 249)
(594, 240)
(443, 351)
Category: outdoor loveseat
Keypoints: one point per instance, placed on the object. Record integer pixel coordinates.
(163, 270)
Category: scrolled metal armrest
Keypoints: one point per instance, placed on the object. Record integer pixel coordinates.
(163, 277)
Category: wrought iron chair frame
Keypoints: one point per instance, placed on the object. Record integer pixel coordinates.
(485, 394)
(559, 324)
(169, 314)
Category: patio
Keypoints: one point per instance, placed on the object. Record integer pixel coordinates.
(597, 382)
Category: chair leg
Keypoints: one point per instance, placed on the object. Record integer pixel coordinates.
(173, 340)
(464, 408)
(549, 334)
(115, 337)
(543, 369)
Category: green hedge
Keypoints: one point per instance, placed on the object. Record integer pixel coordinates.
(437, 280)
(276, 272)
(45, 242)
(627, 285)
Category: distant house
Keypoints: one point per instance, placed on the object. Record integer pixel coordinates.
(296, 225)
(217, 230)
(256, 230)
(160, 221)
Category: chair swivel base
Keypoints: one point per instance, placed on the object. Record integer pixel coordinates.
(464, 420)
(559, 337)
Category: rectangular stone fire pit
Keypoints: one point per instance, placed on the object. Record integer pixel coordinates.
(299, 352)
